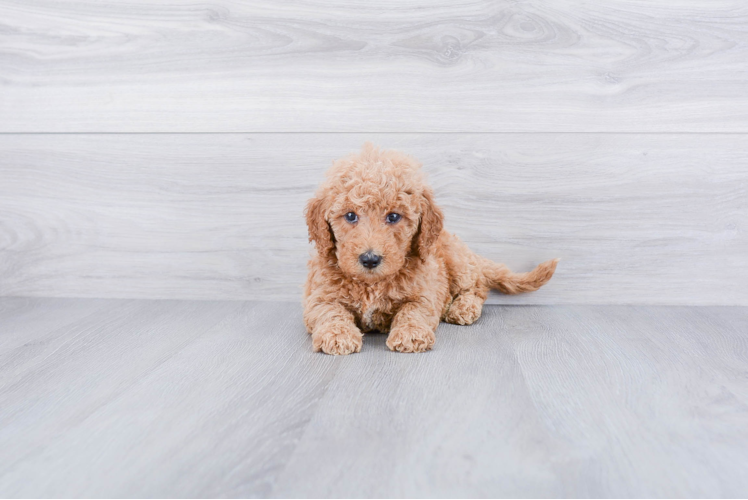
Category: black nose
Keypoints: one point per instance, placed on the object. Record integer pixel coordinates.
(369, 260)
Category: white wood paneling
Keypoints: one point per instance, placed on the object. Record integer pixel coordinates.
(362, 66)
(646, 219)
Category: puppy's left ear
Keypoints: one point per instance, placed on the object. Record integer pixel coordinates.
(319, 229)
(432, 223)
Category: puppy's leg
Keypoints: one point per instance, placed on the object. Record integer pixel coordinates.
(466, 307)
(333, 329)
(413, 328)
(466, 284)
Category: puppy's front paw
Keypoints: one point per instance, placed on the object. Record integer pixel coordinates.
(338, 340)
(411, 339)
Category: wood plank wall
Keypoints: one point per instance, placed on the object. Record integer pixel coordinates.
(166, 149)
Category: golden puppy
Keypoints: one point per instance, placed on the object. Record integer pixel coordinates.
(384, 262)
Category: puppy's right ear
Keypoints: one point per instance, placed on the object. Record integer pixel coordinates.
(320, 231)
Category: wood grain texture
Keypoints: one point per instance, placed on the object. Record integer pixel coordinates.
(649, 219)
(388, 66)
(226, 399)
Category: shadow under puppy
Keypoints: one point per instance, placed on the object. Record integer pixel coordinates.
(384, 262)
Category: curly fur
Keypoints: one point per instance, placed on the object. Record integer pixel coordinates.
(426, 274)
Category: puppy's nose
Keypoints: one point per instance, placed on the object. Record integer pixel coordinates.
(369, 260)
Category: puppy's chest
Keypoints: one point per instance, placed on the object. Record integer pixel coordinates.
(373, 312)
(374, 319)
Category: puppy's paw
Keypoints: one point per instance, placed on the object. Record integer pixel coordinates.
(464, 310)
(411, 339)
(338, 340)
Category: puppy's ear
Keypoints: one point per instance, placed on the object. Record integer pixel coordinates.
(320, 231)
(432, 222)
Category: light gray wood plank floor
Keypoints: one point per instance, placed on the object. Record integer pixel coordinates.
(362, 66)
(178, 398)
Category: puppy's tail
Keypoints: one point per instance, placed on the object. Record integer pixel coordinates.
(499, 277)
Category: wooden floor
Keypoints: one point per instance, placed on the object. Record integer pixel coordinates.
(183, 398)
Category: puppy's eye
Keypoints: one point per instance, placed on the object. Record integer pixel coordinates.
(393, 218)
(351, 217)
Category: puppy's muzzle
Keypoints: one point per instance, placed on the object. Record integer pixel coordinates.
(369, 260)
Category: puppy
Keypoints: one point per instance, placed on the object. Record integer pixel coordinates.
(384, 263)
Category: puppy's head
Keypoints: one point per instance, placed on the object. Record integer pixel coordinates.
(373, 213)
